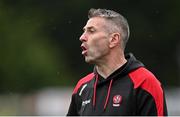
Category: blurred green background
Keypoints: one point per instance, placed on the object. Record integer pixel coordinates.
(39, 44)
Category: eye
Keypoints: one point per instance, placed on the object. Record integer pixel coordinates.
(91, 30)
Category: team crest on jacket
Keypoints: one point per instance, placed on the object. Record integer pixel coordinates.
(117, 99)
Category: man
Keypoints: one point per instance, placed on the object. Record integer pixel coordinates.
(119, 84)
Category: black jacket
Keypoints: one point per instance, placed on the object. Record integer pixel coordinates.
(130, 90)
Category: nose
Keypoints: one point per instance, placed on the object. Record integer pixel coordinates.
(83, 37)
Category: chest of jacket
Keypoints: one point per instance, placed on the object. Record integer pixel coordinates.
(121, 99)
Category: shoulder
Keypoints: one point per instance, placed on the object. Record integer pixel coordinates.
(82, 81)
(143, 78)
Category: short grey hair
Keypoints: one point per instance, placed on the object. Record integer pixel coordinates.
(118, 22)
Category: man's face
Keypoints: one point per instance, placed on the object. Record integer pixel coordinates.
(95, 40)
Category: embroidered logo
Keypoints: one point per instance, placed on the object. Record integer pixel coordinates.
(86, 102)
(117, 99)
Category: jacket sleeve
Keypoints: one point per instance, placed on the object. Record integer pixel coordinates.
(150, 98)
(73, 107)
(76, 101)
(146, 104)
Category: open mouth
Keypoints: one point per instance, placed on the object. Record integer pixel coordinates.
(84, 50)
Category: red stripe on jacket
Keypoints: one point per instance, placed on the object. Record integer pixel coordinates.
(147, 81)
(82, 81)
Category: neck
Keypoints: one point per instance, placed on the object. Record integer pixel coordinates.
(108, 66)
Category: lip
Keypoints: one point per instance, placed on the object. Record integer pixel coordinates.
(84, 50)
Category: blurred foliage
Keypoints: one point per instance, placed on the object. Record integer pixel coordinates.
(39, 44)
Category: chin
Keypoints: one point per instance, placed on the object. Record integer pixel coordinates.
(90, 61)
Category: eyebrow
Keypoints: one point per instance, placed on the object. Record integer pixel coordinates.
(88, 28)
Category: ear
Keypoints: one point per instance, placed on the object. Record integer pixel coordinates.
(114, 40)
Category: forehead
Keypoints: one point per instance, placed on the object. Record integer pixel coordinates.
(96, 22)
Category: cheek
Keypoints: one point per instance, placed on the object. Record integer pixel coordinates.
(99, 40)
(100, 47)
(98, 43)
